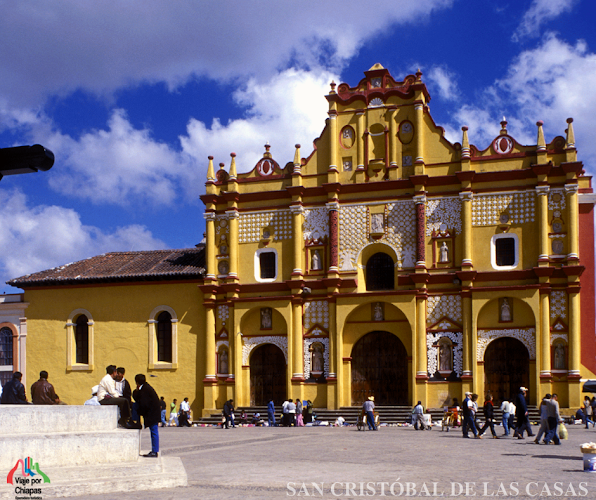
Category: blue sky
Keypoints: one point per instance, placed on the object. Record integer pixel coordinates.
(133, 96)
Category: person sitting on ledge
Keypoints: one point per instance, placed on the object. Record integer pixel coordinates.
(107, 395)
(42, 392)
(13, 392)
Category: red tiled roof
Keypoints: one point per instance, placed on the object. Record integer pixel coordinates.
(151, 265)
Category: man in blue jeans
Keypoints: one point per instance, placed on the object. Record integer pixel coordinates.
(271, 413)
(468, 422)
(552, 410)
(368, 407)
(148, 407)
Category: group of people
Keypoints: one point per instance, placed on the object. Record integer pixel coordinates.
(114, 389)
(515, 417)
(42, 392)
(587, 412)
(179, 417)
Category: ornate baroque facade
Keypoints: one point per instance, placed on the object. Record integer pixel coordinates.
(389, 262)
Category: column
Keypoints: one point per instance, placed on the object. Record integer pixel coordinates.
(573, 221)
(333, 140)
(210, 246)
(360, 139)
(467, 334)
(545, 332)
(574, 331)
(421, 350)
(333, 208)
(466, 211)
(210, 380)
(420, 201)
(298, 239)
(22, 354)
(297, 340)
(542, 193)
(333, 396)
(233, 218)
(418, 130)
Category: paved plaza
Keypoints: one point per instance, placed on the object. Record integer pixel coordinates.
(323, 462)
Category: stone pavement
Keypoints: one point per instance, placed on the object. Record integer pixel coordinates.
(323, 462)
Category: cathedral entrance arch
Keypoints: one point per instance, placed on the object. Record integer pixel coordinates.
(267, 375)
(506, 368)
(380, 369)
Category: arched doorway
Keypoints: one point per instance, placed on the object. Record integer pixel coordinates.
(267, 375)
(506, 368)
(380, 369)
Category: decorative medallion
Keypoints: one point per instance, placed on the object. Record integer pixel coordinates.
(376, 102)
(223, 267)
(265, 167)
(406, 161)
(503, 144)
(406, 132)
(376, 83)
(347, 137)
(347, 165)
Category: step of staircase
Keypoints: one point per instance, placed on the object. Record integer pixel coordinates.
(143, 474)
(387, 414)
(81, 450)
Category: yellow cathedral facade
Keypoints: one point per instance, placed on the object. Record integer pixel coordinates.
(389, 262)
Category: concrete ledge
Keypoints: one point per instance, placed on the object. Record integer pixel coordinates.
(144, 474)
(32, 419)
(67, 449)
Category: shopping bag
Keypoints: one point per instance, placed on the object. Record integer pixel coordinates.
(563, 434)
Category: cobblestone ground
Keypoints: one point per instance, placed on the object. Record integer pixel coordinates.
(321, 462)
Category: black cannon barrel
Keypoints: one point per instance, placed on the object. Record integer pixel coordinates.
(25, 159)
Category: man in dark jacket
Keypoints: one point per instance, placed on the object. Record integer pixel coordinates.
(521, 415)
(42, 392)
(148, 408)
(489, 416)
(13, 392)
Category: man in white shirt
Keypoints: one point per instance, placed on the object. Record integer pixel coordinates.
(506, 409)
(184, 414)
(108, 395)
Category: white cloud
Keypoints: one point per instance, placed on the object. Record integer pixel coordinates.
(289, 109)
(56, 47)
(444, 81)
(540, 12)
(119, 165)
(41, 237)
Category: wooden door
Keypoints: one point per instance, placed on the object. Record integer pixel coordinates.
(380, 369)
(506, 368)
(267, 375)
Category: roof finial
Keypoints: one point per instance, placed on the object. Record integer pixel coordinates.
(540, 142)
(233, 167)
(210, 172)
(333, 85)
(267, 154)
(297, 162)
(503, 126)
(418, 75)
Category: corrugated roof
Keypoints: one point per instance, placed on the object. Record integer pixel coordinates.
(150, 265)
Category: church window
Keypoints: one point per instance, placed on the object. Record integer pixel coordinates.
(504, 251)
(266, 265)
(6, 349)
(82, 340)
(380, 272)
(164, 337)
(80, 332)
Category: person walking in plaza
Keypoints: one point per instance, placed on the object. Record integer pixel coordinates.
(299, 419)
(506, 409)
(226, 414)
(521, 415)
(42, 392)
(543, 418)
(368, 407)
(162, 409)
(184, 414)
(308, 410)
(271, 413)
(469, 416)
(285, 414)
(148, 408)
(512, 410)
(291, 413)
(554, 419)
(173, 414)
(418, 416)
(232, 416)
(13, 392)
(489, 416)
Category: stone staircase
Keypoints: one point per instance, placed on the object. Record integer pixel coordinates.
(387, 414)
(80, 451)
